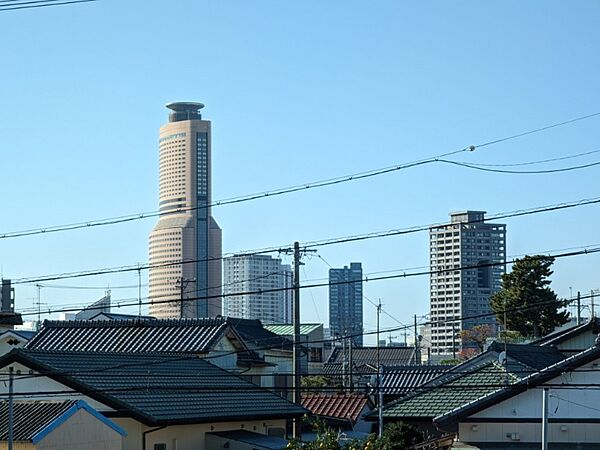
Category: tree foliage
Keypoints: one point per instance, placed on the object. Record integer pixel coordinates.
(532, 307)
(477, 335)
(396, 436)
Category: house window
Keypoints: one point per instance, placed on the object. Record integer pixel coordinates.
(161, 446)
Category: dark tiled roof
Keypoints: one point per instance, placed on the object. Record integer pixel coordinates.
(116, 316)
(158, 388)
(171, 335)
(532, 356)
(337, 369)
(30, 418)
(400, 380)
(257, 336)
(388, 356)
(337, 406)
(143, 335)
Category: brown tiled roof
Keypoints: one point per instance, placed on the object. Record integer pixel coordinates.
(338, 406)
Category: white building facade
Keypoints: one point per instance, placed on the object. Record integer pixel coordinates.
(264, 287)
(467, 260)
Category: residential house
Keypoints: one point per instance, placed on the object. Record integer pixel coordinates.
(501, 365)
(311, 338)
(163, 401)
(399, 381)
(510, 417)
(354, 366)
(238, 345)
(11, 339)
(65, 425)
(341, 411)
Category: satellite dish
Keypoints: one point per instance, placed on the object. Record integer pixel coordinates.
(502, 358)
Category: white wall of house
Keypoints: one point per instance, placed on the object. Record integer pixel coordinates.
(577, 406)
(26, 381)
(5, 347)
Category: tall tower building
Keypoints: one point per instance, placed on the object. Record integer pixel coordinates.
(346, 302)
(468, 241)
(252, 273)
(185, 244)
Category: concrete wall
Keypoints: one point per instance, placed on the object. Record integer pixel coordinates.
(186, 437)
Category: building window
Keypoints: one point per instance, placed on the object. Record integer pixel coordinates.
(161, 446)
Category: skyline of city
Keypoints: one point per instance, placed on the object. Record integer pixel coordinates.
(415, 99)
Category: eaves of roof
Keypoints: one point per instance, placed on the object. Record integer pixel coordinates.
(518, 387)
(562, 336)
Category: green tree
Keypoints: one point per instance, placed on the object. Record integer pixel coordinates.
(397, 436)
(314, 383)
(532, 307)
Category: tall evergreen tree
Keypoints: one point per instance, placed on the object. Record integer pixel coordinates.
(533, 309)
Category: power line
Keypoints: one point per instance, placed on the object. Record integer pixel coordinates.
(585, 251)
(40, 4)
(285, 190)
(309, 244)
(540, 161)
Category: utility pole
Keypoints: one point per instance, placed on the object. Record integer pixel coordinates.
(578, 308)
(297, 379)
(350, 363)
(378, 352)
(181, 284)
(592, 303)
(453, 341)
(417, 356)
(139, 271)
(545, 419)
(10, 408)
(344, 364)
(380, 400)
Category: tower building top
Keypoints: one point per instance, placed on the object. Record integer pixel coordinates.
(184, 111)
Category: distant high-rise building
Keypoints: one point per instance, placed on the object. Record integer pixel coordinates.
(253, 273)
(468, 241)
(346, 302)
(185, 245)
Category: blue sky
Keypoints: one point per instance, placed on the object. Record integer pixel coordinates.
(296, 91)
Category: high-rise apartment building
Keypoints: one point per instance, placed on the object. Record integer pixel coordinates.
(185, 245)
(468, 241)
(253, 273)
(346, 302)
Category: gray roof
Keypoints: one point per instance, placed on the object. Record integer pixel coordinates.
(158, 388)
(388, 356)
(30, 418)
(117, 316)
(141, 335)
(400, 380)
(533, 356)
